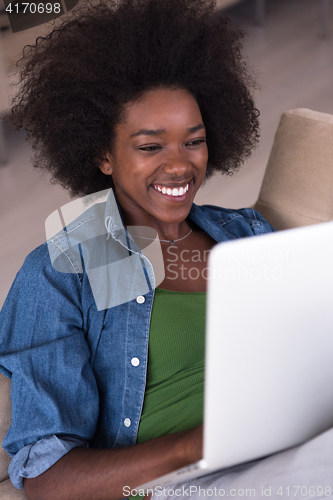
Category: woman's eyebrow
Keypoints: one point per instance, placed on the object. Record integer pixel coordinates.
(200, 126)
(148, 132)
(160, 131)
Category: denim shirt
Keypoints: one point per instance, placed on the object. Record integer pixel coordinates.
(74, 335)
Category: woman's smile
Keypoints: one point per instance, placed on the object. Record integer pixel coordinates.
(172, 190)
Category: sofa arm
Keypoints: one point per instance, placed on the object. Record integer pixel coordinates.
(8, 492)
(298, 183)
(5, 419)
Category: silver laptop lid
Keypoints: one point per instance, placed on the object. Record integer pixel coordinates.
(269, 347)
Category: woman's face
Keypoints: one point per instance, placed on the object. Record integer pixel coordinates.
(159, 158)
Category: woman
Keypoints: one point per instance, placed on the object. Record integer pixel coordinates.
(148, 98)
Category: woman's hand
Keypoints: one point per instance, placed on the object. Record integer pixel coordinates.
(83, 473)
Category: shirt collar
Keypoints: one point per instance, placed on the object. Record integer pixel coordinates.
(115, 226)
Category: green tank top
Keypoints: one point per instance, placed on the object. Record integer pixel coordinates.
(173, 399)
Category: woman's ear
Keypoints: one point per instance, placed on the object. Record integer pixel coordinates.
(105, 163)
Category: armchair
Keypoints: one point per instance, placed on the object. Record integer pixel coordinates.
(297, 190)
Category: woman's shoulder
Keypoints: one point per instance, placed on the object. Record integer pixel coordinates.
(48, 259)
(39, 277)
(240, 222)
(62, 250)
(35, 264)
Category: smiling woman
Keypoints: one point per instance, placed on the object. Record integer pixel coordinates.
(149, 98)
(157, 163)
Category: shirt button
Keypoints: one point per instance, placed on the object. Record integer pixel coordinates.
(140, 299)
(127, 422)
(135, 361)
(141, 255)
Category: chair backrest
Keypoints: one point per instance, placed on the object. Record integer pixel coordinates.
(297, 189)
(7, 490)
(5, 418)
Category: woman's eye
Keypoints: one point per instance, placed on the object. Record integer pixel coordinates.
(196, 142)
(149, 148)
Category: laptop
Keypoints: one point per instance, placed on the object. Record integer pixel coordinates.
(269, 348)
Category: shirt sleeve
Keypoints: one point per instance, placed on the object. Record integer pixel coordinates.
(34, 459)
(43, 349)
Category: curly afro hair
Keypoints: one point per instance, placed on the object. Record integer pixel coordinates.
(75, 82)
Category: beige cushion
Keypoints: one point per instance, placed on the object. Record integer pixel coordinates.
(4, 423)
(7, 490)
(297, 189)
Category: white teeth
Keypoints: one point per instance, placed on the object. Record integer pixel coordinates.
(173, 191)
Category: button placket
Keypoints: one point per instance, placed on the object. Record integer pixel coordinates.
(135, 361)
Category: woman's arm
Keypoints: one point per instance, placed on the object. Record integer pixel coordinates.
(85, 474)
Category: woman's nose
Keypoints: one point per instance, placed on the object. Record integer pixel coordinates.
(177, 163)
